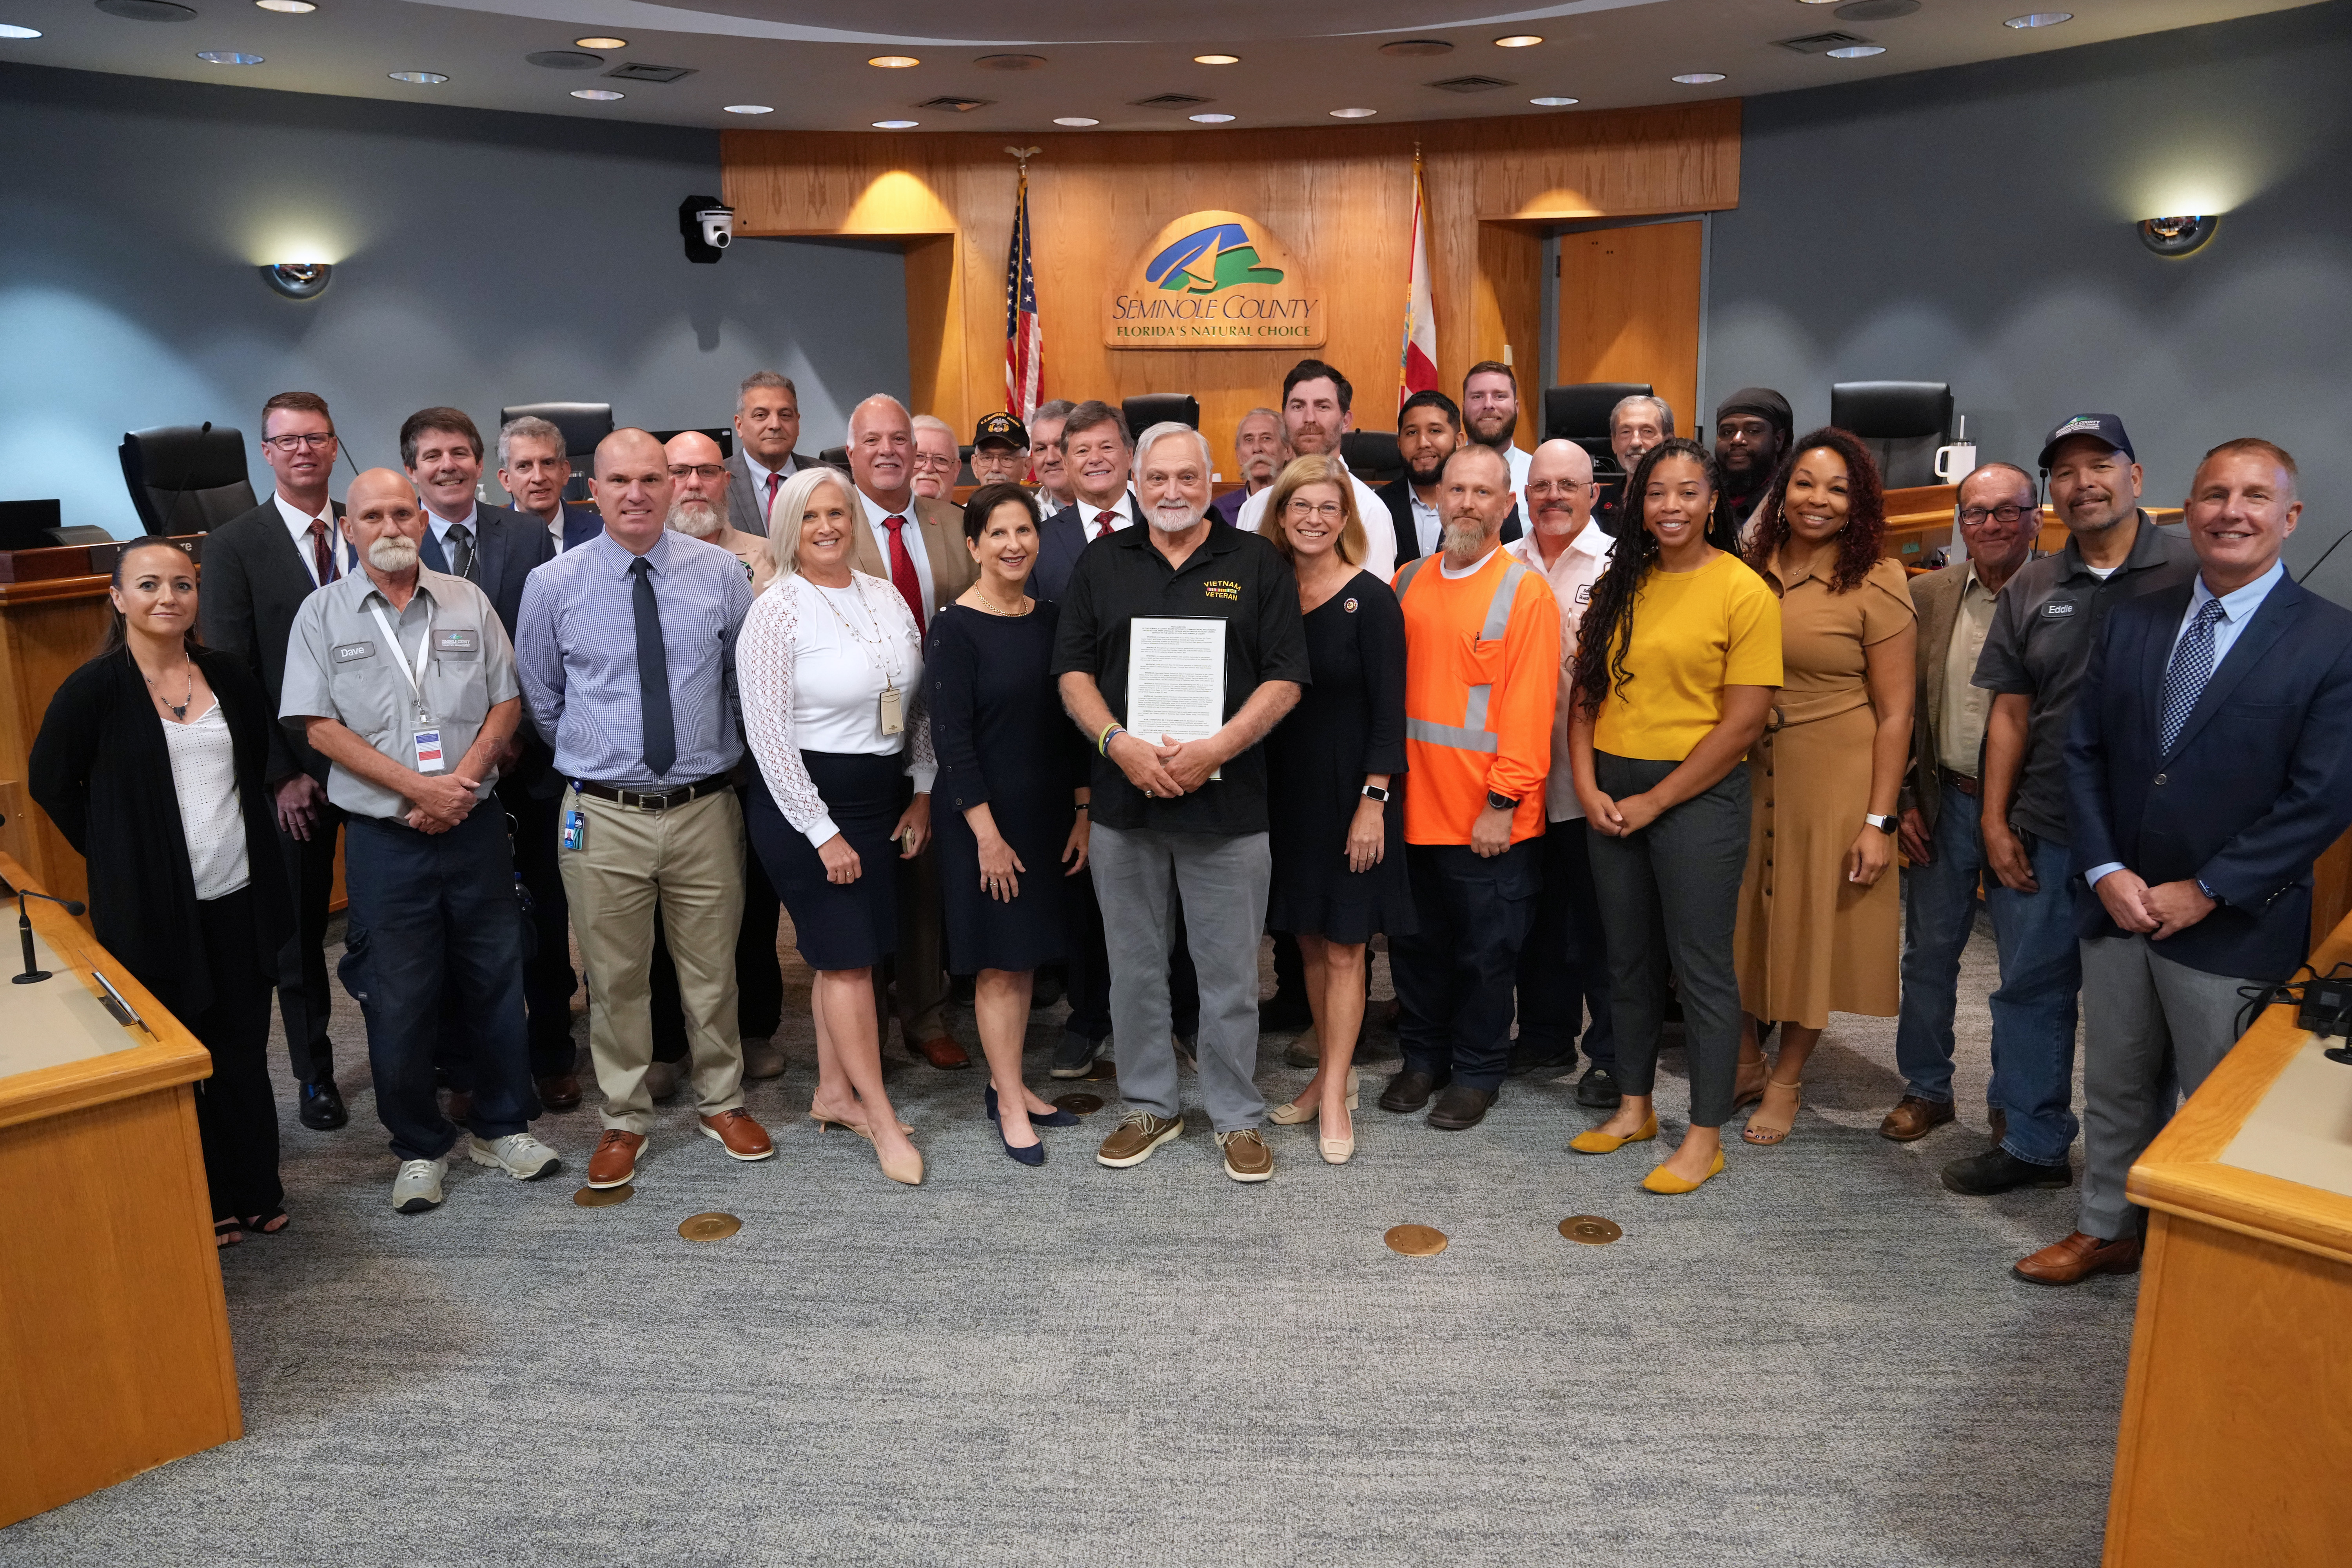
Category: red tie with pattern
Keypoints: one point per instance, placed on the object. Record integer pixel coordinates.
(1104, 522)
(774, 483)
(323, 554)
(902, 570)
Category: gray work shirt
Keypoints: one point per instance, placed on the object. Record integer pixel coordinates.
(338, 667)
(2045, 626)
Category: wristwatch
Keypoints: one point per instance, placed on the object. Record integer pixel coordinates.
(1500, 802)
(1374, 792)
(2207, 891)
(1884, 823)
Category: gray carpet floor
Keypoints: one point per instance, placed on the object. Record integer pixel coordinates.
(1819, 1358)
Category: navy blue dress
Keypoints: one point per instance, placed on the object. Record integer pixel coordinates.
(1002, 740)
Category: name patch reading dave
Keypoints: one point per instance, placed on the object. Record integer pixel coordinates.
(1213, 279)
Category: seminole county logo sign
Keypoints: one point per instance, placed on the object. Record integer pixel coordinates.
(1214, 280)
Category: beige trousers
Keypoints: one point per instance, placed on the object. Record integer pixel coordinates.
(688, 861)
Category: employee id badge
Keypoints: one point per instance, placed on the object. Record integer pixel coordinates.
(894, 719)
(430, 758)
(576, 829)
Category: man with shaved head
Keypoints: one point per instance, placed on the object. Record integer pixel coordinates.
(627, 649)
(404, 679)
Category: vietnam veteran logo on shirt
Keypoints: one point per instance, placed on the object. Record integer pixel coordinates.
(1222, 588)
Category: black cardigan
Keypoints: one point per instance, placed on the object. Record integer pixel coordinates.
(102, 769)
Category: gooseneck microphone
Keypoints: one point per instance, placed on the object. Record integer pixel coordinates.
(33, 974)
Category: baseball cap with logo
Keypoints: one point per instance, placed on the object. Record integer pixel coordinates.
(1001, 430)
(2102, 427)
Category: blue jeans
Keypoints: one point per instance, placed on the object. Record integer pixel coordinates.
(429, 913)
(2033, 1011)
(1939, 909)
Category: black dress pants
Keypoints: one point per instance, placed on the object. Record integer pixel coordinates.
(548, 980)
(1564, 968)
(1455, 977)
(303, 999)
(236, 1113)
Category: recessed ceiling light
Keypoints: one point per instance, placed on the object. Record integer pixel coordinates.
(602, 43)
(1551, 102)
(1216, 60)
(750, 109)
(1212, 119)
(1699, 79)
(423, 78)
(893, 62)
(2039, 19)
(1353, 113)
(289, 8)
(596, 94)
(895, 124)
(228, 58)
(1079, 122)
(1520, 41)
(1857, 51)
(10, 30)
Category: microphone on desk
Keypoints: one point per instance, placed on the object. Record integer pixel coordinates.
(33, 973)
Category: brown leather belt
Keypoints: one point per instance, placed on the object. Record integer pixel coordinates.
(1960, 782)
(653, 800)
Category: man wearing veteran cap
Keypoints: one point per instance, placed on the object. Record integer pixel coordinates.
(2043, 629)
(1000, 451)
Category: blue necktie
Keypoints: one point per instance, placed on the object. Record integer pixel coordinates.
(652, 674)
(2192, 667)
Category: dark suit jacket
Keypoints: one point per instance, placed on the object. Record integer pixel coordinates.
(2258, 784)
(743, 508)
(1065, 536)
(102, 769)
(1398, 495)
(507, 546)
(254, 579)
(581, 524)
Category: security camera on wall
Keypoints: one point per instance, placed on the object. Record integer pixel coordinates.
(708, 226)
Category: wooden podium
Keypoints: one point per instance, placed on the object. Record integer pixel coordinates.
(114, 1345)
(2236, 1436)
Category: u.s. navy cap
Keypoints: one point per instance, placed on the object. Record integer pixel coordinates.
(2102, 427)
(1001, 428)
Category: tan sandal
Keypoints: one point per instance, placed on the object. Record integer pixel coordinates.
(1744, 1096)
(1766, 1137)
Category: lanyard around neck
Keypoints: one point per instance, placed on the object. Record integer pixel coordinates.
(399, 662)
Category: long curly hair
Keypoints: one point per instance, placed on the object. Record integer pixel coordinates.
(1608, 626)
(1864, 538)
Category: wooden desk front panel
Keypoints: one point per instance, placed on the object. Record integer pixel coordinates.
(47, 630)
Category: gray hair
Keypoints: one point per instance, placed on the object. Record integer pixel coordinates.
(759, 378)
(528, 427)
(1056, 408)
(1272, 414)
(1166, 429)
(933, 421)
(1664, 410)
(791, 504)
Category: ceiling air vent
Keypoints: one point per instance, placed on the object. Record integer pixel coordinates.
(1470, 84)
(1407, 48)
(1171, 100)
(1820, 43)
(637, 70)
(959, 105)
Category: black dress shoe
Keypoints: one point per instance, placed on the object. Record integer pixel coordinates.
(1531, 1056)
(1459, 1108)
(322, 1107)
(1279, 1013)
(1597, 1089)
(1999, 1171)
(1408, 1091)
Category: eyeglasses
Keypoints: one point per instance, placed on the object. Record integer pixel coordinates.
(296, 443)
(2009, 513)
(1329, 510)
(941, 465)
(697, 470)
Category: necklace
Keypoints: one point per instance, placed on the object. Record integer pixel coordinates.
(979, 601)
(180, 708)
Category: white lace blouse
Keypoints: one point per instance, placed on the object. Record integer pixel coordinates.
(811, 664)
(204, 776)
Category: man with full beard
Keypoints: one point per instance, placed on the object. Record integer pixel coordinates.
(699, 507)
(1490, 416)
(1429, 431)
(1753, 428)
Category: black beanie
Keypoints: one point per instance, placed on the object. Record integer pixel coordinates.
(1762, 401)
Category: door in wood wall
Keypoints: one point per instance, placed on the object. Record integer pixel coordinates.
(1629, 311)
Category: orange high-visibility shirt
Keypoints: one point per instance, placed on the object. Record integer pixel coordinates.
(1481, 680)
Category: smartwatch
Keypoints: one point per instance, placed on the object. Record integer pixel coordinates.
(1501, 802)
(1884, 823)
(1374, 792)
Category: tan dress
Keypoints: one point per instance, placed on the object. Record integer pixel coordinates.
(1810, 943)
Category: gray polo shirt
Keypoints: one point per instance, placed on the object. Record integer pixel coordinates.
(2045, 626)
(339, 667)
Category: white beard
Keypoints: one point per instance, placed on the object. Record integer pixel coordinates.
(1164, 518)
(392, 552)
(698, 519)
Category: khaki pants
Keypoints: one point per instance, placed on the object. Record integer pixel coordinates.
(688, 860)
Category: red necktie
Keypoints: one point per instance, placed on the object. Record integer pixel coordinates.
(774, 480)
(1104, 522)
(323, 554)
(902, 570)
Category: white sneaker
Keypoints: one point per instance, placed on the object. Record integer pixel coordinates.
(661, 1080)
(418, 1186)
(519, 1154)
(763, 1059)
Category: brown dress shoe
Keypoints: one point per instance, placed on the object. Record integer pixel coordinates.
(942, 1052)
(2076, 1258)
(614, 1163)
(1914, 1117)
(560, 1092)
(742, 1137)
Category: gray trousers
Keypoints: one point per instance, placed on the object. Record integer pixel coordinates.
(1137, 872)
(1670, 897)
(2152, 1030)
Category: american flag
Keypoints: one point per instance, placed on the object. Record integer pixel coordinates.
(1418, 371)
(1024, 339)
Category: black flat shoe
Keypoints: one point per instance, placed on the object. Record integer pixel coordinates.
(1408, 1091)
(1458, 1108)
(1057, 1117)
(322, 1107)
(1999, 1171)
(1597, 1089)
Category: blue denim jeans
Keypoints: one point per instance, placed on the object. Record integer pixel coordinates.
(2034, 1012)
(1939, 909)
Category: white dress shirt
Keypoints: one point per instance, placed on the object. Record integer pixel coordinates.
(297, 523)
(1122, 512)
(1380, 533)
(1571, 575)
(441, 527)
(911, 535)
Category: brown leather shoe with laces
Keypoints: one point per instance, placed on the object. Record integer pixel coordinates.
(738, 1134)
(1914, 1117)
(614, 1163)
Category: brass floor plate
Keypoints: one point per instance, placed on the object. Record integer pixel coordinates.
(709, 1227)
(1415, 1240)
(1079, 1104)
(1590, 1229)
(603, 1197)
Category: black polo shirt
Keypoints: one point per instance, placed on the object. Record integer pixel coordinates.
(1238, 577)
(2045, 626)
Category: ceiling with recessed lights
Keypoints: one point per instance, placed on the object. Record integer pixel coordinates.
(988, 65)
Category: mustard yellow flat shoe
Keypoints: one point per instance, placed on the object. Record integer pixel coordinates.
(1664, 1181)
(1599, 1142)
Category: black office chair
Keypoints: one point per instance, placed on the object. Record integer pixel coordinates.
(1371, 455)
(1160, 409)
(582, 423)
(186, 479)
(1902, 423)
(835, 457)
(1580, 414)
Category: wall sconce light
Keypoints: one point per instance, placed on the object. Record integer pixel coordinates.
(2176, 235)
(297, 280)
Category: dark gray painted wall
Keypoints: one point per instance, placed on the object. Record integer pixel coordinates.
(1975, 226)
(484, 259)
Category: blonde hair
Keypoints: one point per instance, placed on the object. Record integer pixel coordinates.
(791, 505)
(1315, 469)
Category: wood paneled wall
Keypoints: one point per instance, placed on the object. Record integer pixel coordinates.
(1341, 198)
